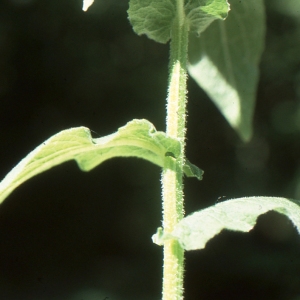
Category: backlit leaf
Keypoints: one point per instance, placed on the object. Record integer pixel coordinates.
(224, 62)
(195, 230)
(155, 17)
(201, 13)
(137, 138)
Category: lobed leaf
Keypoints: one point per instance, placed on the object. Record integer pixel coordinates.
(195, 230)
(224, 62)
(137, 138)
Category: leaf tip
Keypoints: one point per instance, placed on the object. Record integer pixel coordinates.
(87, 4)
(190, 170)
(160, 237)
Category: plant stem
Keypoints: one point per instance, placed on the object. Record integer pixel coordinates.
(172, 184)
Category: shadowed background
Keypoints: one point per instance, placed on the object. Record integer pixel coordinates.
(69, 235)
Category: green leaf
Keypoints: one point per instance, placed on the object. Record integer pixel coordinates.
(155, 17)
(194, 231)
(201, 13)
(137, 138)
(191, 170)
(224, 62)
(152, 17)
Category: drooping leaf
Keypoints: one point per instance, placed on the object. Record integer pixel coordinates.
(195, 230)
(224, 62)
(137, 138)
(87, 4)
(155, 17)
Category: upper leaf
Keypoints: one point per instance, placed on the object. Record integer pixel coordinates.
(194, 231)
(201, 13)
(137, 138)
(155, 17)
(152, 17)
(224, 62)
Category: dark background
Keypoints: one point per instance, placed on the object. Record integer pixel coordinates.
(69, 235)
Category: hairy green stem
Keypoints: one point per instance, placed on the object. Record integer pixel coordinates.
(172, 185)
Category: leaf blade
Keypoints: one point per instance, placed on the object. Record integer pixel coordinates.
(154, 18)
(195, 230)
(201, 13)
(224, 62)
(137, 138)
